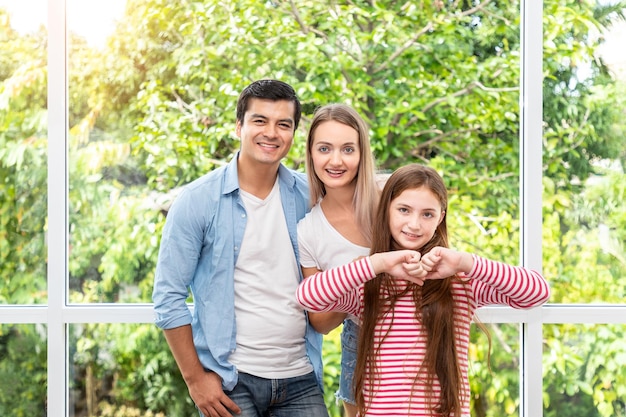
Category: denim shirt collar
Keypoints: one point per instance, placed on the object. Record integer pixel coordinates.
(231, 176)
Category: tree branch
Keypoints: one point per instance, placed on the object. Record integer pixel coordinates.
(574, 133)
(403, 48)
(473, 10)
(441, 136)
(493, 178)
(471, 86)
(424, 30)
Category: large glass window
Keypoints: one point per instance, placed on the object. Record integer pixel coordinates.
(108, 108)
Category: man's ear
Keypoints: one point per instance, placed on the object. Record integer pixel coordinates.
(238, 129)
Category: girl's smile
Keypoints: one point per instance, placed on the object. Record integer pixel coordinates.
(414, 216)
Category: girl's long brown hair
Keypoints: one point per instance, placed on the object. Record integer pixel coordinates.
(434, 301)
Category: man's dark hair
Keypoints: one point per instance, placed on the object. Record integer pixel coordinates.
(269, 90)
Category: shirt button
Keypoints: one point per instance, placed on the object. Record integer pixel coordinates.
(243, 216)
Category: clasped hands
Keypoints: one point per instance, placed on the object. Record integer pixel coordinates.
(411, 266)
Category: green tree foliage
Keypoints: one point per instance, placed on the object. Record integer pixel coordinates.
(438, 83)
(22, 370)
(22, 147)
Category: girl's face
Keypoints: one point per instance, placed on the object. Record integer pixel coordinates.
(335, 153)
(413, 217)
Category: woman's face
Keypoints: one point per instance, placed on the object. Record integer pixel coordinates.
(335, 154)
(413, 217)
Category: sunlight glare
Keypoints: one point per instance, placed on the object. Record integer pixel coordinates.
(92, 19)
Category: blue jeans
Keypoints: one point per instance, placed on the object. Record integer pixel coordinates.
(289, 397)
(349, 340)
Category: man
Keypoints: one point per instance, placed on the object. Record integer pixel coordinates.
(230, 237)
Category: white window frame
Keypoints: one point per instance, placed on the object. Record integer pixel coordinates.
(57, 315)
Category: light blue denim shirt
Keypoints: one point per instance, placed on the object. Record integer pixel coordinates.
(199, 248)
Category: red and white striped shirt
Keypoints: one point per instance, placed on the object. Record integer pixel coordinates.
(400, 336)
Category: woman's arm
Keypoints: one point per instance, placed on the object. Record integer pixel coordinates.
(326, 322)
(323, 322)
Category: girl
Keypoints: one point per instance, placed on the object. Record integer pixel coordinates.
(343, 189)
(416, 300)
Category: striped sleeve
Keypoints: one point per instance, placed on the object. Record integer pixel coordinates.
(499, 283)
(335, 289)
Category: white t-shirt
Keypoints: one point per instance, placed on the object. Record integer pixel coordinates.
(321, 246)
(270, 323)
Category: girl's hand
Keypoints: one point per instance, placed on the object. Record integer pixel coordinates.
(443, 262)
(415, 270)
(401, 264)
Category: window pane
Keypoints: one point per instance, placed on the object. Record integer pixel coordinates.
(584, 219)
(124, 369)
(480, 162)
(23, 152)
(22, 369)
(495, 383)
(111, 239)
(584, 370)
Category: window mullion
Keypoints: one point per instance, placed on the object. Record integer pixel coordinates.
(57, 238)
(531, 121)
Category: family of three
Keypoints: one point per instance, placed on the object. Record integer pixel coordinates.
(274, 258)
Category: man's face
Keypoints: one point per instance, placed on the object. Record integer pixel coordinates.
(267, 130)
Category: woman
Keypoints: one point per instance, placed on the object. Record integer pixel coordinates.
(338, 229)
